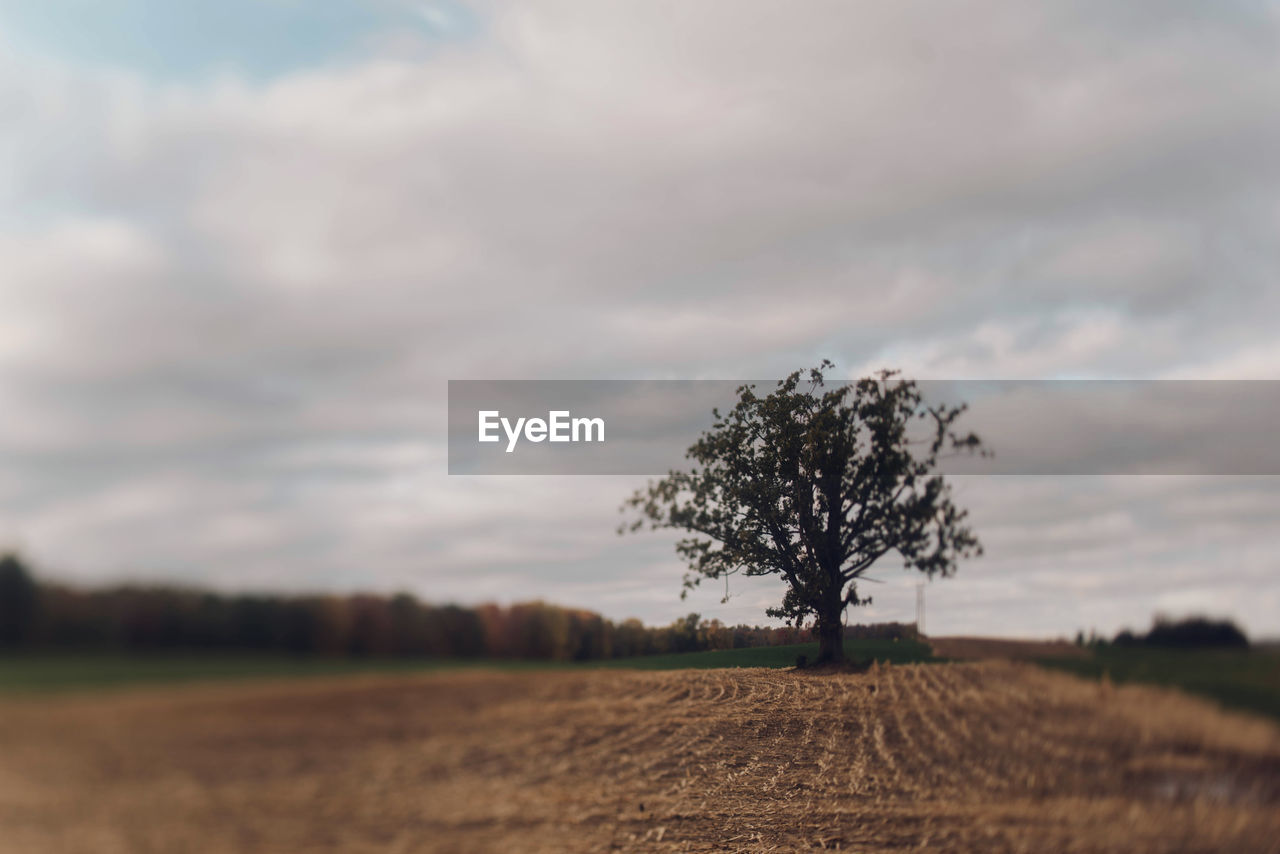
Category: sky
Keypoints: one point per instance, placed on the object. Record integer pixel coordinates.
(244, 246)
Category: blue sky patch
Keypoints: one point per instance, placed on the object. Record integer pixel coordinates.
(258, 39)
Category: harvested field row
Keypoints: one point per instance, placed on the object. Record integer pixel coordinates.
(994, 756)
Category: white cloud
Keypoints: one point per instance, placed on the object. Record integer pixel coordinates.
(205, 279)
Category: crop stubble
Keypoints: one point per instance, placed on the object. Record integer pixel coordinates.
(992, 756)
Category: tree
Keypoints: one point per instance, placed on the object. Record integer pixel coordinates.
(816, 484)
(1196, 632)
(19, 599)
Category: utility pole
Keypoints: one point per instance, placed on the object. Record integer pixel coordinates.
(920, 608)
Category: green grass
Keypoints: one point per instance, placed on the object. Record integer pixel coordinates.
(57, 672)
(1242, 679)
(48, 672)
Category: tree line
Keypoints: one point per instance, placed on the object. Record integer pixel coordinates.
(40, 615)
(1195, 632)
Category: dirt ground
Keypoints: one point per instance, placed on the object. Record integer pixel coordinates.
(992, 756)
(1014, 650)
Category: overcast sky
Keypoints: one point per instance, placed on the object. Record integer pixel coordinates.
(244, 245)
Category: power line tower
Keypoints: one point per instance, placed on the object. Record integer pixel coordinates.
(920, 608)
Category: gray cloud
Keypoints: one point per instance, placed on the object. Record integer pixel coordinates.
(229, 309)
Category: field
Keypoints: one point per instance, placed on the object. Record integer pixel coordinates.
(855, 649)
(991, 756)
(1010, 650)
(68, 672)
(1245, 679)
(55, 672)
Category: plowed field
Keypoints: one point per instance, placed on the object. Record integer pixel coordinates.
(990, 757)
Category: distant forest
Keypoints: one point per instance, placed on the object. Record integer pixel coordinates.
(37, 615)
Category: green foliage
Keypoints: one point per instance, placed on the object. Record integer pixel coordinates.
(815, 485)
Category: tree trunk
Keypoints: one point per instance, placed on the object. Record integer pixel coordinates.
(830, 638)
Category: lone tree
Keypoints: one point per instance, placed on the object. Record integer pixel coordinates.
(816, 484)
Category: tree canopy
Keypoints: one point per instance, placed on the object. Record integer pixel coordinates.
(816, 484)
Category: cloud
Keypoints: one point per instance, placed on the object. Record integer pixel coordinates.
(232, 303)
